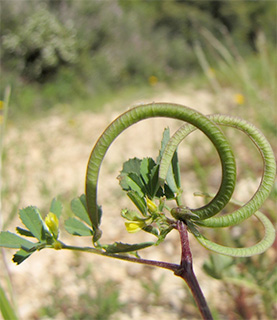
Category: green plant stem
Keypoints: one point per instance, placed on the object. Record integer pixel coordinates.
(185, 271)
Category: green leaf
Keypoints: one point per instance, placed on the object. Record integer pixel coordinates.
(118, 247)
(170, 181)
(130, 178)
(155, 188)
(149, 173)
(139, 201)
(173, 175)
(77, 228)
(140, 176)
(11, 240)
(132, 182)
(152, 230)
(168, 192)
(132, 166)
(6, 307)
(165, 139)
(79, 208)
(99, 212)
(56, 207)
(24, 232)
(20, 256)
(31, 218)
(135, 183)
(176, 170)
(146, 167)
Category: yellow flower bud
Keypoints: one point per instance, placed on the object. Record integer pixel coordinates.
(151, 205)
(52, 223)
(134, 226)
(57, 245)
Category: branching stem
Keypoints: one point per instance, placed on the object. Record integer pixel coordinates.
(185, 271)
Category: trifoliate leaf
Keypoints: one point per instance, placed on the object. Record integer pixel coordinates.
(143, 178)
(77, 228)
(11, 240)
(79, 208)
(118, 247)
(31, 218)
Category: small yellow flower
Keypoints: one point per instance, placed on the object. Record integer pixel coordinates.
(134, 226)
(239, 98)
(151, 205)
(1, 105)
(52, 223)
(153, 80)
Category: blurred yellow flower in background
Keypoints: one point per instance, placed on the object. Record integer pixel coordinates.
(153, 80)
(239, 98)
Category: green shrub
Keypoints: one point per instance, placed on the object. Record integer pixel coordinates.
(40, 46)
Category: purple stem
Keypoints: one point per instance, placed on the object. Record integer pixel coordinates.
(185, 271)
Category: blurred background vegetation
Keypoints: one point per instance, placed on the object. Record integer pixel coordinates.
(67, 51)
(82, 54)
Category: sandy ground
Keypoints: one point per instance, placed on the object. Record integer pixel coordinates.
(48, 158)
